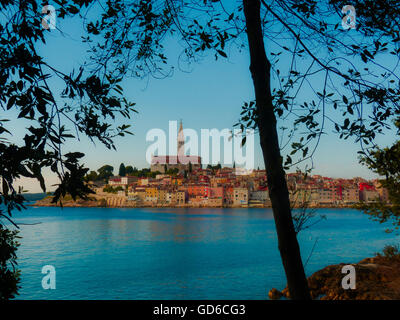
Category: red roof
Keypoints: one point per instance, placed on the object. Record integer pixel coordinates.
(363, 185)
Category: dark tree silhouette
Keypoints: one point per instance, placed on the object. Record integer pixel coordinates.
(87, 102)
(105, 172)
(129, 170)
(386, 163)
(9, 275)
(122, 170)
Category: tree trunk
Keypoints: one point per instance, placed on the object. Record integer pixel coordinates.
(277, 186)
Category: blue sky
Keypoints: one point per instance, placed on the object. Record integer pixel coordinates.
(210, 96)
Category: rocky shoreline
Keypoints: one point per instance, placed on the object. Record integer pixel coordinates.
(96, 201)
(46, 202)
(377, 278)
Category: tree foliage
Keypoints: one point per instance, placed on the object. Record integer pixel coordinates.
(386, 163)
(105, 172)
(9, 274)
(122, 170)
(130, 170)
(352, 74)
(91, 176)
(110, 189)
(85, 105)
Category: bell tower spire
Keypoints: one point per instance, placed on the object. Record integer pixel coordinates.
(181, 141)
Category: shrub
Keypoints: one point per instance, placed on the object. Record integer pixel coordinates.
(391, 251)
(9, 275)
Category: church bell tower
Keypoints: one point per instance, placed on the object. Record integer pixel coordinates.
(181, 141)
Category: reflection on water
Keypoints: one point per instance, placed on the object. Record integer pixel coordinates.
(103, 253)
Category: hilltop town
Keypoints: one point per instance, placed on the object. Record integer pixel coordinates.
(181, 181)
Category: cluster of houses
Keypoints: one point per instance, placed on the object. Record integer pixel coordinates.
(323, 191)
(224, 188)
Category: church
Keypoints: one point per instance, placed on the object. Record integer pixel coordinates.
(179, 161)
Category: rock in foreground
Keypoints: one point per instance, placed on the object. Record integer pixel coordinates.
(377, 278)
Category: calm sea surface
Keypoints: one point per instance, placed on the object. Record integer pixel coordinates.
(103, 253)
